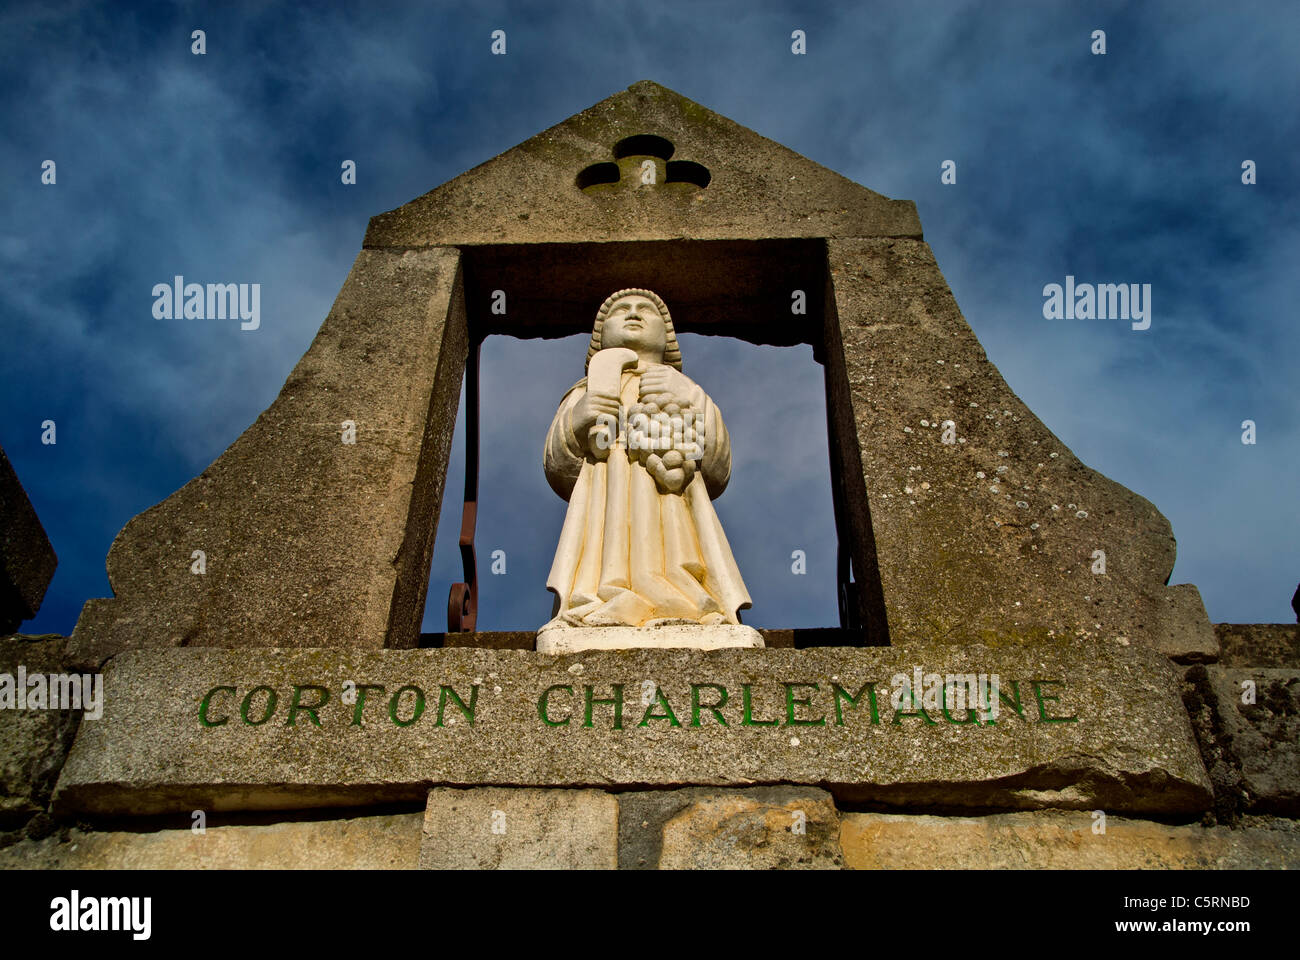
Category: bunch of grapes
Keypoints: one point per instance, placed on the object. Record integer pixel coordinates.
(667, 439)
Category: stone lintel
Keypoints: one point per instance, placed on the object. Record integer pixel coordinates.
(1077, 726)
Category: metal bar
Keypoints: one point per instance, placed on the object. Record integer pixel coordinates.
(462, 602)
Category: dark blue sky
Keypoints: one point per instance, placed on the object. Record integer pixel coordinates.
(225, 167)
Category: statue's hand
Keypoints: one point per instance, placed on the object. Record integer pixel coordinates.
(663, 384)
(587, 410)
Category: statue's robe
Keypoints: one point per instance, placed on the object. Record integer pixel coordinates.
(628, 554)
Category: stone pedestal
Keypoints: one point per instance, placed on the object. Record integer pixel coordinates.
(687, 636)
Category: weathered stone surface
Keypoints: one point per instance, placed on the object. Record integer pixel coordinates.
(388, 842)
(491, 639)
(1130, 747)
(33, 742)
(504, 828)
(1053, 840)
(1258, 644)
(1183, 632)
(302, 532)
(1251, 750)
(993, 537)
(758, 828)
(530, 194)
(27, 559)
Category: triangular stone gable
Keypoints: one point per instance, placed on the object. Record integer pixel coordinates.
(756, 187)
(989, 536)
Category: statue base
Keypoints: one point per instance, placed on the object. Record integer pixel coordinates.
(556, 638)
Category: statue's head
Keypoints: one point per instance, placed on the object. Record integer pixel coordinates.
(637, 319)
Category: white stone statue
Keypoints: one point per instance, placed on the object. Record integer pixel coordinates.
(639, 450)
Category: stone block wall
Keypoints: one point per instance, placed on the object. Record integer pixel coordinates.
(786, 828)
(1249, 749)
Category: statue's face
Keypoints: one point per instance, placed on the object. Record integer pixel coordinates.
(635, 322)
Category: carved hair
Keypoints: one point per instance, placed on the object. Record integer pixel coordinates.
(672, 353)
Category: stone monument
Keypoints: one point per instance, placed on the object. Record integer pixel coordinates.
(985, 691)
(639, 450)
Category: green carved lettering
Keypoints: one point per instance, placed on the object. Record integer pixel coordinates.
(248, 699)
(543, 703)
(361, 700)
(419, 705)
(714, 708)
(1014, 704)
(616, 701)
(203, 708)
(790, 703)
(899, 712)
(841, 695)
(466, 712)
(747, 719)
(668, 714)
(1042, 711)
(297, 706)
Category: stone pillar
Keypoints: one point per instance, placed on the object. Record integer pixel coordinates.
(991, 537)
(309, 541)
